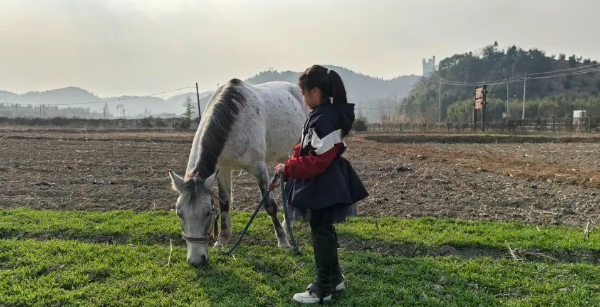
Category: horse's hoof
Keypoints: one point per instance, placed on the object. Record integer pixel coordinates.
(283, 244)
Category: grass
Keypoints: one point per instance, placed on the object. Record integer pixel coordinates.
(157, 227)
(50, 258)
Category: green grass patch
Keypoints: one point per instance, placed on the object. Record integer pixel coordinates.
(431, 232)
(119, 258)
(74, 273)
(157, 227)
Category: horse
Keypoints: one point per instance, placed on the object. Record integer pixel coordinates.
(244, 127)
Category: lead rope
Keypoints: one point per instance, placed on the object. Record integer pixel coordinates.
(293, 246)
(288, 225)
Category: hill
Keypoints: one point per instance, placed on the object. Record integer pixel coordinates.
(359, 86)
(372, 95)
(133, 106)
(574, 84)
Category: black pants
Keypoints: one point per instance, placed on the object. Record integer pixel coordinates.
(325, 245)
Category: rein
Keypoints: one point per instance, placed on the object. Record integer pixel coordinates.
(293, 245)
(208, 237)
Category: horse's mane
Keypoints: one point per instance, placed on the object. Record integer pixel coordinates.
(226, 108)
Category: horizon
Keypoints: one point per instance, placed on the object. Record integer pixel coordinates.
(201, 90)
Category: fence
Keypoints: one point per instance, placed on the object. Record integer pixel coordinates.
(143, 123)
(545, 125)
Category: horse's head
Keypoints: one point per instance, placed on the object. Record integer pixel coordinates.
(196, 214)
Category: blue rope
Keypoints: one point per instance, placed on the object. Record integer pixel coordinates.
(288, 225)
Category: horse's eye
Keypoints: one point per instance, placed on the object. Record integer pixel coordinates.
(207, 214)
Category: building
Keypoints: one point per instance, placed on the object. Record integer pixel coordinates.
(428, 66)
(167, 115)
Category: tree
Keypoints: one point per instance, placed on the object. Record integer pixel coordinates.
(360, 124)
(186, 118)
(572, 61)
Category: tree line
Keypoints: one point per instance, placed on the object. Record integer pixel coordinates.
(557, 96)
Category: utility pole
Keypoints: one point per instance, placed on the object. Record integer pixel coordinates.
(474, 117)
(440, 101)
(40, 111)
(524, 92)
(507, 100)
(198, 98)
(483, 103)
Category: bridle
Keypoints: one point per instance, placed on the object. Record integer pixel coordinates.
(208, 236)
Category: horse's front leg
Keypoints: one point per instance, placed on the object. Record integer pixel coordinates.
(224, 180)
(262, 177)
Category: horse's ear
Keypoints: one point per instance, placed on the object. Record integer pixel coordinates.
(210, 181)
(176, 182)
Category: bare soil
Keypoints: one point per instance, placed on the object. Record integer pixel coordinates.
(536, 183)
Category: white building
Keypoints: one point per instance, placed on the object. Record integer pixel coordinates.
(428, 66)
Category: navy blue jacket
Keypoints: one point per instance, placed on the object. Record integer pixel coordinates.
(338, 183)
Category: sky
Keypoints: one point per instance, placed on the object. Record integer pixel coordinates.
(127, 47)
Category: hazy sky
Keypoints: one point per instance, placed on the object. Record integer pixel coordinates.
(140, 47)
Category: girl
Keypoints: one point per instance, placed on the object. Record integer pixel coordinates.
(323, 186)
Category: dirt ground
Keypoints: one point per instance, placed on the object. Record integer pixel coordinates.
(539, 183)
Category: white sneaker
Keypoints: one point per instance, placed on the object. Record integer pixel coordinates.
(308, 297)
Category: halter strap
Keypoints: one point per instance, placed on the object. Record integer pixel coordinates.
(208, 236)
(203, 239)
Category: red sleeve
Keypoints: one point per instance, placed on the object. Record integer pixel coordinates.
(312, 165)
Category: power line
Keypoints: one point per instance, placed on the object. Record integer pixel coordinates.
(480, 83)
(542, 75)
(121, 99)
(568, 69)
(567, 74)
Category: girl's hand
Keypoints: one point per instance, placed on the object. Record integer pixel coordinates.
(272, 185)
(280, 168)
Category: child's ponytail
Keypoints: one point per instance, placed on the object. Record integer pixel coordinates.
(338, 90)
(339, 99)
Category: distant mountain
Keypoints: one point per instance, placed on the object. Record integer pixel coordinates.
(359, 87)
(63, 95)
(7, 96)
(135, 106)
(363, 90)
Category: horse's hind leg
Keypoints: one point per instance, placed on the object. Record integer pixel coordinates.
(260, 172)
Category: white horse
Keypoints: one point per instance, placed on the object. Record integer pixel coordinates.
(243, 127)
